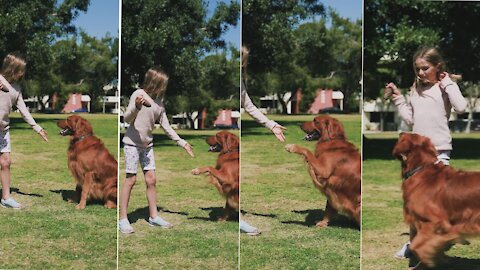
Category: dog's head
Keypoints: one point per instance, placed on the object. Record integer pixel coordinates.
(75, 126)
(323, 128)
(223, 141)
(414, 149)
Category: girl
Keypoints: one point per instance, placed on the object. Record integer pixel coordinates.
(145, 108)
(12, 71)
(254, 112)
(431, 99)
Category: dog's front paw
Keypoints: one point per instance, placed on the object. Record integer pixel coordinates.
(80, 206)
(110, 205)
(71, 200)
(196, 171)
(289, 147)
(322, 224)
(222, 219)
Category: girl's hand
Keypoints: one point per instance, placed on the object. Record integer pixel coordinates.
(391, 90)
(1, 86)
(278, 132)
(43, 133)
(189, 149)
(139, 101)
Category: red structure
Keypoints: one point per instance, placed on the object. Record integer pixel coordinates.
(323, 100)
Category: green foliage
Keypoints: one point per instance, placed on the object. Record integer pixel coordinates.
(294, 49)
(394, 30)
(57, 60)
(155, 33)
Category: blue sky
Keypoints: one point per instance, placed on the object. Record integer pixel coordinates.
(351, 9)
(102, 17)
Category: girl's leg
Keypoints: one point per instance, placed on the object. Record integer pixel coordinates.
(5, 174)
(150, 181)
(125, 196)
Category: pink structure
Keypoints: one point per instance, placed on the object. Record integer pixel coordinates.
(323, 100)
(76, 102)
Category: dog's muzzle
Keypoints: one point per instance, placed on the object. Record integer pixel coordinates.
(312, 136)
(215, 148)
(66, 131)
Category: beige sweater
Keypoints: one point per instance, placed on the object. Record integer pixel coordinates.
(10, 98)
(254, 112)
(428, 111)
(142, 122)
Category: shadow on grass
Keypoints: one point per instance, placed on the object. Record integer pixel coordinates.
(16, 190)
(315, 215)
(382, 148)
(143, 213)
(19, 123)
(452, 263)
(259, 214)
(67, 194)
(214, 214)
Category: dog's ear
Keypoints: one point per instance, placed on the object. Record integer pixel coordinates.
(231, 141)
(330, 128)
(335, 129)
(228, 140)
(427, 148)
(82, 126)
(403, 147)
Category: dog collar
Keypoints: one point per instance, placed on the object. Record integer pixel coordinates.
(415, 170)
(77, 139)
(230, 151)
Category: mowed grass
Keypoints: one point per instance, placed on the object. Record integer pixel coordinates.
(383, 229)
(278, 197)
(189, 202)
(49, 233)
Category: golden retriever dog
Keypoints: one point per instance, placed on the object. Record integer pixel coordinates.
(225, 175)
(334, 167)
(93, 167)
(441, 204)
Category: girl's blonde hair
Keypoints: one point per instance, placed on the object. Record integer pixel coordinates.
(433, 56)
(13, 65)
(244, 58)
(155, 82)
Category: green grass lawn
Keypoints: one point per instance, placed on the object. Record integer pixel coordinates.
(190, 203)
(49, 233)
(383, 229)
(278, 197)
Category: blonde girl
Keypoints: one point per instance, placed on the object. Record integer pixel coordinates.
(256, 114)
(13, 69)
(144, 110)
(431, 99)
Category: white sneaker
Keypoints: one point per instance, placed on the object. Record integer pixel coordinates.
(10, 203)
(404, 252)
(158, 221)
(249, 229)
(124, 226)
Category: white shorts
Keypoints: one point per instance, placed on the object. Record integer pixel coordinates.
(5, 146)
(444, 156)
(134, 154)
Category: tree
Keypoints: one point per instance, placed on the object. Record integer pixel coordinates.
(57, 62)
(85, 66)
(155, 33)
(394, 30)
(292, 48)
(31, 26)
